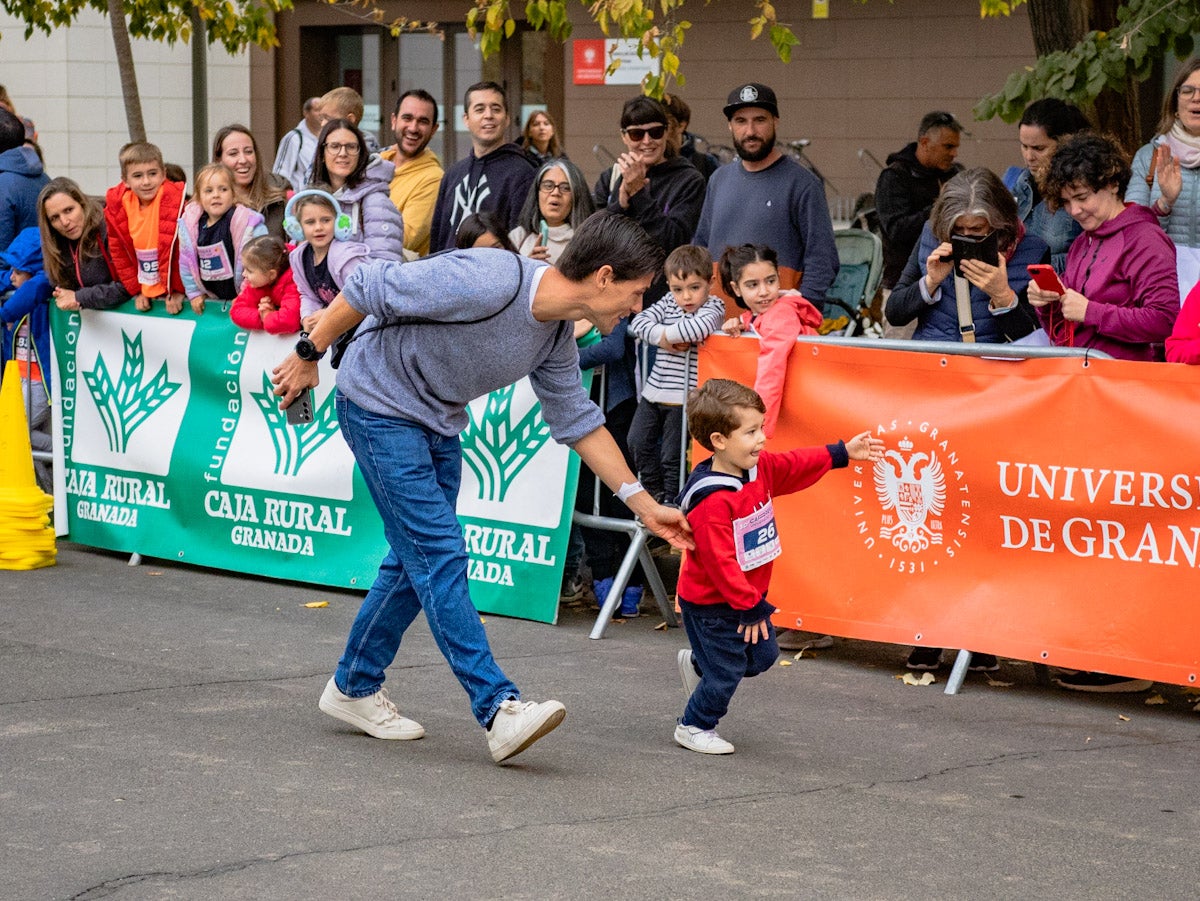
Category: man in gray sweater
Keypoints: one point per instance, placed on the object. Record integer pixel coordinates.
(433, 335)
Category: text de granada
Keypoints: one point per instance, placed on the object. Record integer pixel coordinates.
(1154, 540)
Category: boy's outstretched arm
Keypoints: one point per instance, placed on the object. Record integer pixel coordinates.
(863, 447)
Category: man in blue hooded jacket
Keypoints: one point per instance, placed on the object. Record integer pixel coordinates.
(21, 179)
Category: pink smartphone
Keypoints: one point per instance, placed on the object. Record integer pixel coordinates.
(1046, 278)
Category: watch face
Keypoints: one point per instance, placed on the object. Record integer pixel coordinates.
(306, 350)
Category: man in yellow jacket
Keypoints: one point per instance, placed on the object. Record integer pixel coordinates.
(414, 187)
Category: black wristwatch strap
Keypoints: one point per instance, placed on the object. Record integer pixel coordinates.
(307, 351)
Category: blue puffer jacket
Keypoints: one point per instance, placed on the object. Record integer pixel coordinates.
(939, 321)
(1183, 225)
(21, 179)
(31, 300)
(1058, 230)
(377, 222)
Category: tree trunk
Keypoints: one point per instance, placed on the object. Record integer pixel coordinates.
(129, 88)
(1060, 25)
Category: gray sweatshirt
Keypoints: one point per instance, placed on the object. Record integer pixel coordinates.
(460, 338)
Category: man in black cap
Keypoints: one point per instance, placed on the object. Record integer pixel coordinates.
(764, 197)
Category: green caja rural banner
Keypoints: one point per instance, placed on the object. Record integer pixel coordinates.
(173, 446)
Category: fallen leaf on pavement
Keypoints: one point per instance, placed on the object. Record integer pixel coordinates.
(1154, 700)
(785, 663)
(998, 684)
(1123, 718)
(313, 605)
(661, 627)
(910, 679)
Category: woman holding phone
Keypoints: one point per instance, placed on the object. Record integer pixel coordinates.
(1121, 291)
(975, 205)
(557, 204)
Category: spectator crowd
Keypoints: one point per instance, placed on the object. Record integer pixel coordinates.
(1082, 246)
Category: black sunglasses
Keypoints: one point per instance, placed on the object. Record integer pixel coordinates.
(636, 133)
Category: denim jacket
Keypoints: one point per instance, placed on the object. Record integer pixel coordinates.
(1058, 230)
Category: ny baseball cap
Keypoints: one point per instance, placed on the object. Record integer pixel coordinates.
(752, 94)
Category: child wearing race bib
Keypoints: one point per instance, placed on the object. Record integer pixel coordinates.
(141, 215)
(723, 582)
(213, 232)
(750, 275)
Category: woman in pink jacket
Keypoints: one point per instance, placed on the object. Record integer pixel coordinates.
(1122, 293)
(750, 275)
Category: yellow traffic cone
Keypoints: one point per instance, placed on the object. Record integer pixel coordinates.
(26, 536)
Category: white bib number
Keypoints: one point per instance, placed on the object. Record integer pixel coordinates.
(756, 538)
(147, 267)
(214, 262)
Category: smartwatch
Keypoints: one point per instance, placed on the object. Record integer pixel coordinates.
(307, 351)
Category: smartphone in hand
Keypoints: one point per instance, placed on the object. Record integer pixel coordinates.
(300, 412)
(1046, 278)
(970, 247)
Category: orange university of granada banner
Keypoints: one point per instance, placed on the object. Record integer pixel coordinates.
(1044, 510)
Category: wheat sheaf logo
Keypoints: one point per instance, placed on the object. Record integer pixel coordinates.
(294, 444)
(126, 404)
(915, 487)
(495, 448)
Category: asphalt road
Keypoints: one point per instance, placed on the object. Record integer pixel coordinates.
(160, 738)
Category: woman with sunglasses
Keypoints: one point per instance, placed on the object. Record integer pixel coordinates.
(360, 180)
(651, 184)
(1166, 174)
(557, 204)
(973, 203)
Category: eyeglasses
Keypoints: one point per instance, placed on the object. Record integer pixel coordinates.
(1187, 90)
(338, 149)
(552, 187)
(636, 134)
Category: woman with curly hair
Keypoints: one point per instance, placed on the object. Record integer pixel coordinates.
(1122, 293)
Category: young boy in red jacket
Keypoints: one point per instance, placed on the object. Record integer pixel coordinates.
(723, 582)
(142, 214)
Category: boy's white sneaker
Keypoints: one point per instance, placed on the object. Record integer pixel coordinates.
(687, 672)
(375, 714)
(518, 724)
(706, 741)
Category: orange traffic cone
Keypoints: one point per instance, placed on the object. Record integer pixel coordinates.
(26, 536)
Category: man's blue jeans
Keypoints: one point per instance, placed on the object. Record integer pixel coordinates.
(414, 475)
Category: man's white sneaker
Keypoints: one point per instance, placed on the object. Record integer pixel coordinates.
(518, 724)
(687, 672)
(375, 714)
(706, 741)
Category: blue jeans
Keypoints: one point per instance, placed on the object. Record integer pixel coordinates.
(723, 658)
(413, 475)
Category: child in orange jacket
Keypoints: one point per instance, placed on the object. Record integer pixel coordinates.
(141, 214)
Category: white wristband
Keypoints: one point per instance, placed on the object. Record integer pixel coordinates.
(628, 490)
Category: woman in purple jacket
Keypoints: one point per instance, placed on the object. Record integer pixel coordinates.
(359, 180)
(1122, 292)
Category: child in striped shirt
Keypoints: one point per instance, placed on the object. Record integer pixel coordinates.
(676, 324)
